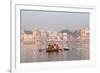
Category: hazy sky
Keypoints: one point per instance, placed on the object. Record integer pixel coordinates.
(53, 21)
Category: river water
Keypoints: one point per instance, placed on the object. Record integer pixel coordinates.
(28, 54)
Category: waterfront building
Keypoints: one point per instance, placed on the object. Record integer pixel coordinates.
(85, 35)
(27, 36)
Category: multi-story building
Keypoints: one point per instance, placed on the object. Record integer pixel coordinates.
(84, 36)
(26, 37)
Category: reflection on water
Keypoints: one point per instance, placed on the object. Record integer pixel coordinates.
(30, 54)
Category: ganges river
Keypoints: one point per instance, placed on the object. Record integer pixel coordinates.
(28, 54)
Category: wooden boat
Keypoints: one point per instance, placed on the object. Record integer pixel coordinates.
(53, 48)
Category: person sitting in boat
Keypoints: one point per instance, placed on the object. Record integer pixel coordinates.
(50, 46)
(55, 46)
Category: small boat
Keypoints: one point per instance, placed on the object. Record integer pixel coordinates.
(66, 48)
(53, 48)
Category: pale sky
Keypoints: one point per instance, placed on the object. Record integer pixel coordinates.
(53, 21)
